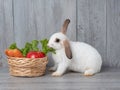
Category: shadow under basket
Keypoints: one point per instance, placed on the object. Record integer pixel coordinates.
(27, 67)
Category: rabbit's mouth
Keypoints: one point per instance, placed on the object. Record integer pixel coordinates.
(50, 45)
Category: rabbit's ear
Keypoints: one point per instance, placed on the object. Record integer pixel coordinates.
(65, 25)
(68, 51)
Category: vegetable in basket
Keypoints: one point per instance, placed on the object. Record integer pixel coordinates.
(13, 51)
(35, 54)
(30, 50)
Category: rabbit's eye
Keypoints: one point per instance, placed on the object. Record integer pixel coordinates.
(57, 40)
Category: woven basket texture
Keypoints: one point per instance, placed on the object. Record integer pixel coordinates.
(28, 67)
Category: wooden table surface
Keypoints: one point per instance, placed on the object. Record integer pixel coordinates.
(108, 79)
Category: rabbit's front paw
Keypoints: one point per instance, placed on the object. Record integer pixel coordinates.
(56, 74)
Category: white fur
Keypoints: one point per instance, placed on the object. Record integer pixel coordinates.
(85, 58)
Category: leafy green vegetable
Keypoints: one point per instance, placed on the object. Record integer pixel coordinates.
(26, 49)
(45, 48)
(13, 46)
(33, 46)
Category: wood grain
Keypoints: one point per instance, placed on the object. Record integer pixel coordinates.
(83, 21)
(6, 25)
(24, 23)
(113, 32)
(107, 79)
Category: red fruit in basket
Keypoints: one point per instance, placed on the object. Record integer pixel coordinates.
(41, 54)
(34, 54)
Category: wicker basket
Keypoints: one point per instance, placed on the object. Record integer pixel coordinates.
(27, 67)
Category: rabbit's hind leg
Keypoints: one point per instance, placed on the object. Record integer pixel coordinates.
(89, 72)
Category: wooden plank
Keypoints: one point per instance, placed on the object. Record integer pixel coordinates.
(108, 79)
(92, 24)
(97, 25)
(1, 26)
(113, 32)
(83, 21)
(24, 22)
(1, 30)
(6, 25)
(39, 7)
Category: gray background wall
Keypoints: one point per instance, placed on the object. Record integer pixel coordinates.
(96, 22)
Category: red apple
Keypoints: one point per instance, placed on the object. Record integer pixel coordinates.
(35, 54)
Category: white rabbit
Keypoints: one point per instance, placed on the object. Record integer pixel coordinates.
(74, 56)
